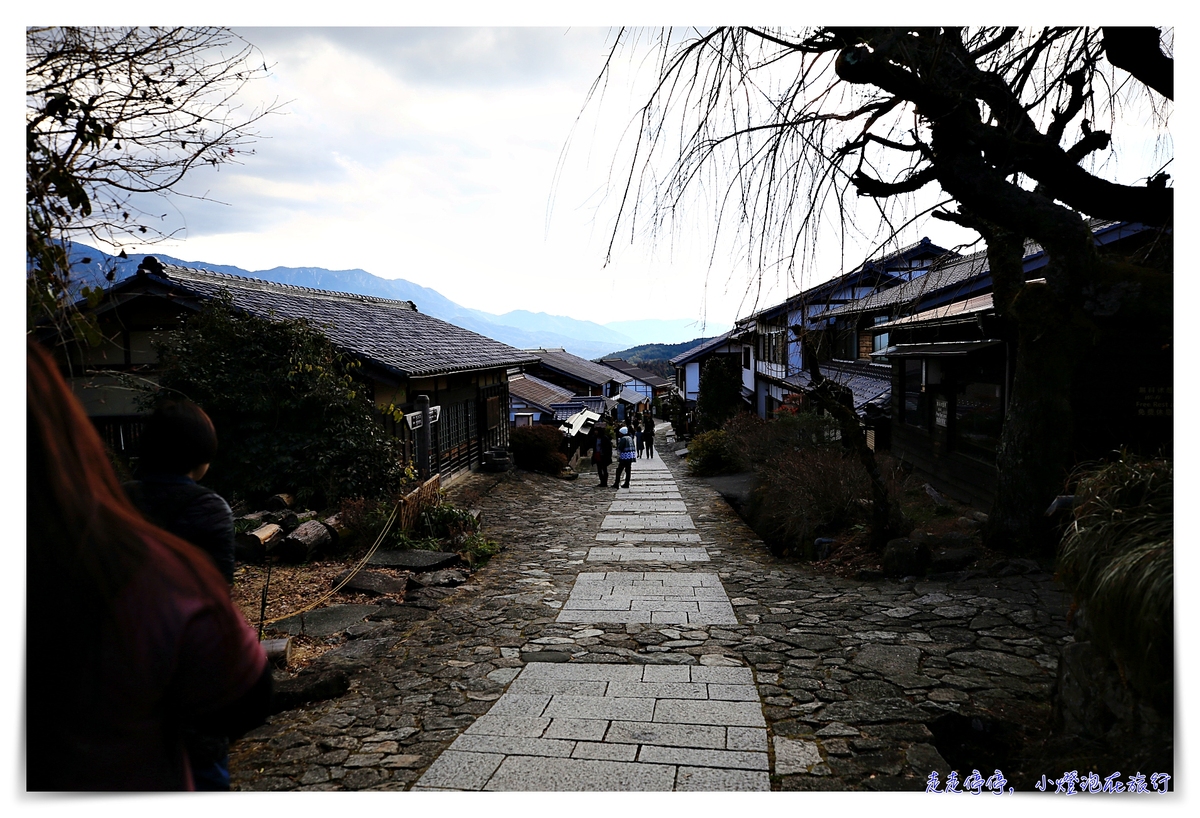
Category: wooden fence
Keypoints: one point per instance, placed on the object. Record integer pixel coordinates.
(422, 497)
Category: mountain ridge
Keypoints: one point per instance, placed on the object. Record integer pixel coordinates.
(519, 328)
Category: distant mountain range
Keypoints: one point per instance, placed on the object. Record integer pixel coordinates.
(519, 328)
(656, 357)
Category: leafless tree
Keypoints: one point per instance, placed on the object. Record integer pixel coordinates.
(116, 117)
(1006, 131)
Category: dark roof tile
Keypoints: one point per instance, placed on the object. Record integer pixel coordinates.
(581, 369)
(384, 331)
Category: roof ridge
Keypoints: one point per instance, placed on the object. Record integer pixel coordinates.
(260, 283)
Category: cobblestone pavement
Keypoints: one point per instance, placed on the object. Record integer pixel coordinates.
(644, 639)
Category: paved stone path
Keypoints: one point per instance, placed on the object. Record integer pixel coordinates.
(627, 726)
(622, 643)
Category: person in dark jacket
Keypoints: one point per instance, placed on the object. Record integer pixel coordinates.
(648, 434)
(157, 644)
(601, 452)
(177, 445)
(176, 448)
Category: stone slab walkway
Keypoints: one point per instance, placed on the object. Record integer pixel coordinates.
(550, 671)
(629, 726)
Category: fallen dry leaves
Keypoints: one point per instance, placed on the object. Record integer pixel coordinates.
(295, 587)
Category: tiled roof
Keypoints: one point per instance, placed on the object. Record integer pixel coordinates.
(814, 295)
(634, 371)
(562, 411)
(387, 332)
(955, 273)
(963, 277)
(947, 312)
(870, 384)
(700, 349)
(536, 391)
(596, 403)
(581, 369)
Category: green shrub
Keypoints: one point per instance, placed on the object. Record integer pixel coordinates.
(1117, 558)
(709, 454)
(720, 394)
(538, 448)
(291, 412)
(440, 528)
(364, 518)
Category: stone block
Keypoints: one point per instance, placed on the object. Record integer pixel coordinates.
(664, 673)
(707, 779)
(529, 727)
(794, 756)
(595, 707)
(584, 671)
(520, 704)
(578, 729)
(414, 559)
(725, 759)
(660, 690)
(513, 745)
(903, 557)
(753, 739)
(738, 714)
(323, 622)
(605, 751)
(736, 693)
(526, 774)
(558, 686)
(461, 771)
(889, 660)
(673, 735)
(723, 675)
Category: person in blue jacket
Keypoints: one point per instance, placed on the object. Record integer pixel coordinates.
(626, 454)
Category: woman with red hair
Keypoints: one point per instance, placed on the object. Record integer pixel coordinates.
(131, 635)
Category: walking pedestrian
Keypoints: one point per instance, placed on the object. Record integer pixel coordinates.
(177, 446)
(601, 452)
(157, 644)
(641, 445)
(626, 454)
(648, 434)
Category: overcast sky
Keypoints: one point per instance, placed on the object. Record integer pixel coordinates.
(462, 159)
(470, 161)
(431, 154)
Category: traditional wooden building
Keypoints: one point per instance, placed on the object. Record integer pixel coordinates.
(736, 344)
(951, 364)
(776, 332)
(532, 400)
(652, 387)
(403, 352)
(579, 375)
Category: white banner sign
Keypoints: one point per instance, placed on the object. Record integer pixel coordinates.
(413, 419)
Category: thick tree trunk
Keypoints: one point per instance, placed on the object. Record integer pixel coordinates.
(1034, 456)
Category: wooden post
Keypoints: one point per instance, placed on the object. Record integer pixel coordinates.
(279, 651)
(423, 437)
